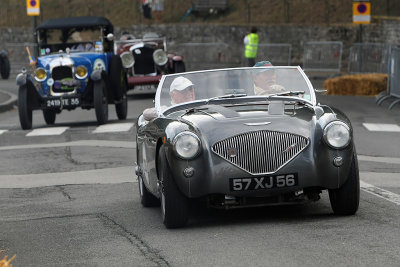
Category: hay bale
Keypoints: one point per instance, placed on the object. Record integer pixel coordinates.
(357, 84)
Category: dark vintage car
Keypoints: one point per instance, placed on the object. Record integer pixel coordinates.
(147, 59)
(236, 149)
(4, 64)
(76, 67)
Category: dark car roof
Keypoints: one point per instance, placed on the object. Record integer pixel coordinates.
(75, 22)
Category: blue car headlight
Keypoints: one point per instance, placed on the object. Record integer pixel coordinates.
(337, 134)
(186, 145)
(40, 74)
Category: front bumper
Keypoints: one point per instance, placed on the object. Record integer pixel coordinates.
(213, 175)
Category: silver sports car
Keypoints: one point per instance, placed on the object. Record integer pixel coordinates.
(243, 137)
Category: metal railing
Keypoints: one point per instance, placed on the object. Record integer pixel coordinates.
(277, 54)
(368, 58)
(322, 56)
(393, 84)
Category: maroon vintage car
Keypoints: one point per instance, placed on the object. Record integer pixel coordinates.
(147, 59)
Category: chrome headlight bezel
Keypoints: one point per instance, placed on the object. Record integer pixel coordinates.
(85, 71)
(127, 59)
(337, 134)
(186, 141)
(160, 57)
(38, 72)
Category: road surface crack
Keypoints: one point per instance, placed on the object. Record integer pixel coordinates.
(135, 240)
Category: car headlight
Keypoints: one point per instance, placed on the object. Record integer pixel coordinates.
(40, 74)
(337, 134)
(81, 72)
(127, 59)
(160, 57)
(186, 145)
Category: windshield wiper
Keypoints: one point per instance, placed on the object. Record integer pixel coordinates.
(288, 93)
(225, 96)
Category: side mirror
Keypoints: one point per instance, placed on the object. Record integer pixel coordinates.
(110, 37)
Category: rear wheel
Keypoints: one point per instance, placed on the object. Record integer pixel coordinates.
(174, 205)
(122, 108)
(24, 108)
(100, 101)
(49, 116)
(179, 66)
(4, 67)
(345, 200)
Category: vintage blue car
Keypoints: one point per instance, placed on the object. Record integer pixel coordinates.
(75, 67)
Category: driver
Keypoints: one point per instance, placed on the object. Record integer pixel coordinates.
(180, 91)
(265, 80)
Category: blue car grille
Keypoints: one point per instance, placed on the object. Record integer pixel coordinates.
(260, 152)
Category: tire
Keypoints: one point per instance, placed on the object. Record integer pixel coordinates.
(179, 66)
(174, 205)
(24, 108)
(122, 109)
(100, 101)
(4, 67)
(345, 200)
(117, 78)
(49, 116)
(146, 198)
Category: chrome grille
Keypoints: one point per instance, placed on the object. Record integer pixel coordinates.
(260, 152)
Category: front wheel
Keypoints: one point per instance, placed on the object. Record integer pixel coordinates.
(49, 116)
(24, 108)
(146, 198)
(100, 101)
(174, 205)
(345, 200)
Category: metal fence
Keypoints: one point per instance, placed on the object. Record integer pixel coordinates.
(277, 54)
(368, 58)
(18, 56)
(393, 85)
(201, 56)
(322, 56)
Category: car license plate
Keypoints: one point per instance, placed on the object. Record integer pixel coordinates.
(63, 102)
(264, 182)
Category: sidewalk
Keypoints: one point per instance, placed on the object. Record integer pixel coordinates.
(7, 100)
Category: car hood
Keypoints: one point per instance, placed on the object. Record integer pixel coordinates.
(222, 124)
(85, 58)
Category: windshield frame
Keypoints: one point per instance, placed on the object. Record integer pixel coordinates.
(253, 98)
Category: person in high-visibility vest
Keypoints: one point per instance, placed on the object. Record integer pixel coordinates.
(251, 46)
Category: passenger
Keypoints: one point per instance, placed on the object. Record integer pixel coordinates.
(180, 91)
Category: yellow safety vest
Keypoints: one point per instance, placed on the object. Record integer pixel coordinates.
(251, 48)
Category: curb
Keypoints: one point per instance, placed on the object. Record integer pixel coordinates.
(8, 104)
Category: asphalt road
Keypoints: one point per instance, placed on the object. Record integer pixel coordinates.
(72, 199)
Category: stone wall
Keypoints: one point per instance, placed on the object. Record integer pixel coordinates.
(226, 41)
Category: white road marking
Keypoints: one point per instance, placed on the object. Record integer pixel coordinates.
(99, 176)
(379, 192)
(382, 127)
(379, 159)
(48, 131)
(115, 127)
(94, 143)
(3, 131)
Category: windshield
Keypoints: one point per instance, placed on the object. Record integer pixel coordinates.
(53, 40)
(190, 87)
